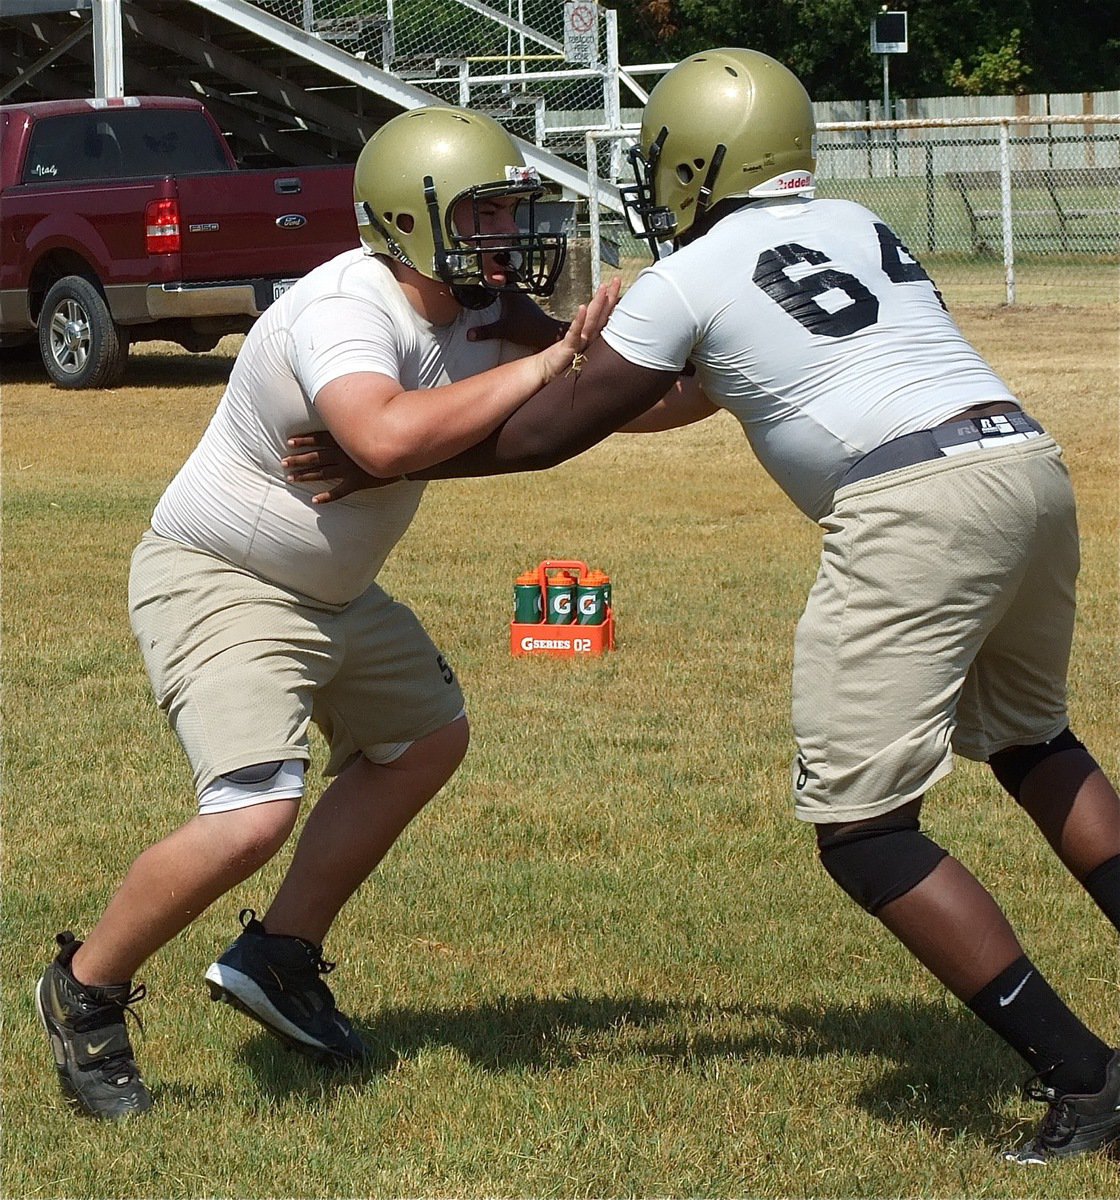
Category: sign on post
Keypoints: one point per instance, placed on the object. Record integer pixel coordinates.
(581, 32)
(888, 33)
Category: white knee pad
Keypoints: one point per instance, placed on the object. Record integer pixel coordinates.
(253, 785)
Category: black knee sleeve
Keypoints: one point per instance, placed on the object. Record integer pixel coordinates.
(877, 863)
(257, 773)
(1013, 765)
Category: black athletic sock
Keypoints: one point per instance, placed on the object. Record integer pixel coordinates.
(1029, 1015)
(1103, 884)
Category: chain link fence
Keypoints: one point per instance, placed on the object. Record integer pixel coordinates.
(1017, 210)
(1001, 209)
(541, 67)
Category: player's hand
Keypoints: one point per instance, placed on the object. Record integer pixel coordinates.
(522, 321)
(566, 356)
(320, 457)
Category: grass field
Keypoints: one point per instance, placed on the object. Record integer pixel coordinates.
(604, 962)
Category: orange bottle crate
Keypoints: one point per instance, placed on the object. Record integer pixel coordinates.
(561, 641)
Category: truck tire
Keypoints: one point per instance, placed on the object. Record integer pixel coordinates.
(80, 343)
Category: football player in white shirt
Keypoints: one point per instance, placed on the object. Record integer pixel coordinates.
(942, 615)
(258, 613)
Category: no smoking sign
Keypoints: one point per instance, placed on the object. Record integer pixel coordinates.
(581, 32)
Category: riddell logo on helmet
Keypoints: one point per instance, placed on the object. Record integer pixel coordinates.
(800, 181)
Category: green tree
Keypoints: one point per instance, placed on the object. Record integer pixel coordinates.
(1064, 45)
(997, 72)
(1074, 46)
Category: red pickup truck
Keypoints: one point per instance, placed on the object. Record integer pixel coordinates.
(126, 220)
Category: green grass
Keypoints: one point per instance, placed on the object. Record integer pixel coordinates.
(604, 962)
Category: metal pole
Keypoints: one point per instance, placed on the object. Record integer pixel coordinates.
(931, 211)
(886, 87)
(1005, 209)
(108, 49)
(464, 85)
(593, 230)
(388, 38)
(611, 102)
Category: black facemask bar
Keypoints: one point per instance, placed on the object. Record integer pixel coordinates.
(532, 261)
(649, 222)
(653, 222)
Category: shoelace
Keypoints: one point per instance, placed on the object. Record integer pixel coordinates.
(96, 1018)
(248, 916)
(1060, 1123)
(315, 957)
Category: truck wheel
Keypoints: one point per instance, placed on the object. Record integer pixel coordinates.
(80, 343)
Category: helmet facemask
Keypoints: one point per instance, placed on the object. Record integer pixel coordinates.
(427, 165)
(648, 221)
(652, 222)
(530, 261)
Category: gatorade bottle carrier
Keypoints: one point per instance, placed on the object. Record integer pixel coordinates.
(571, 640)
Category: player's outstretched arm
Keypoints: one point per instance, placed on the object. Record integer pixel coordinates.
(599, 394)
(683, 404)
(357, 403)
(388, 430)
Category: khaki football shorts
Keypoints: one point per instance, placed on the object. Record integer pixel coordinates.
(940, 620)
(242, 667)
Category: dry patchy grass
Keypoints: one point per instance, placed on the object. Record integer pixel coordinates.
(603, 963)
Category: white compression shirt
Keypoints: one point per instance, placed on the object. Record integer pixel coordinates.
(231, 498)
(811, 323)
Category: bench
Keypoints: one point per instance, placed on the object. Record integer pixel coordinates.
(354, 34)
(1061, 195)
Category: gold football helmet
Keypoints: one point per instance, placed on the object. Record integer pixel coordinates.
(411, 175)
(722, 123)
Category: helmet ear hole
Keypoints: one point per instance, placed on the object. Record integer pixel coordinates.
(404, 222)
(684, 173)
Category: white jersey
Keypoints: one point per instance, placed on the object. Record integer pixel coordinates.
(812, 324)
(231, 498)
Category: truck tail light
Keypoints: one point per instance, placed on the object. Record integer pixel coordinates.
(161, 227)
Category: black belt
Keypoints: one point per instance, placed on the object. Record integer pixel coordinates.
(943, 441)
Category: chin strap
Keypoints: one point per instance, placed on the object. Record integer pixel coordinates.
(394, 246)
(473, 295)
(704, 198)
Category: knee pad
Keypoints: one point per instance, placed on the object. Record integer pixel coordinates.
(255, 784)
(1013, 765)
(877, 863)
(256, 774)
